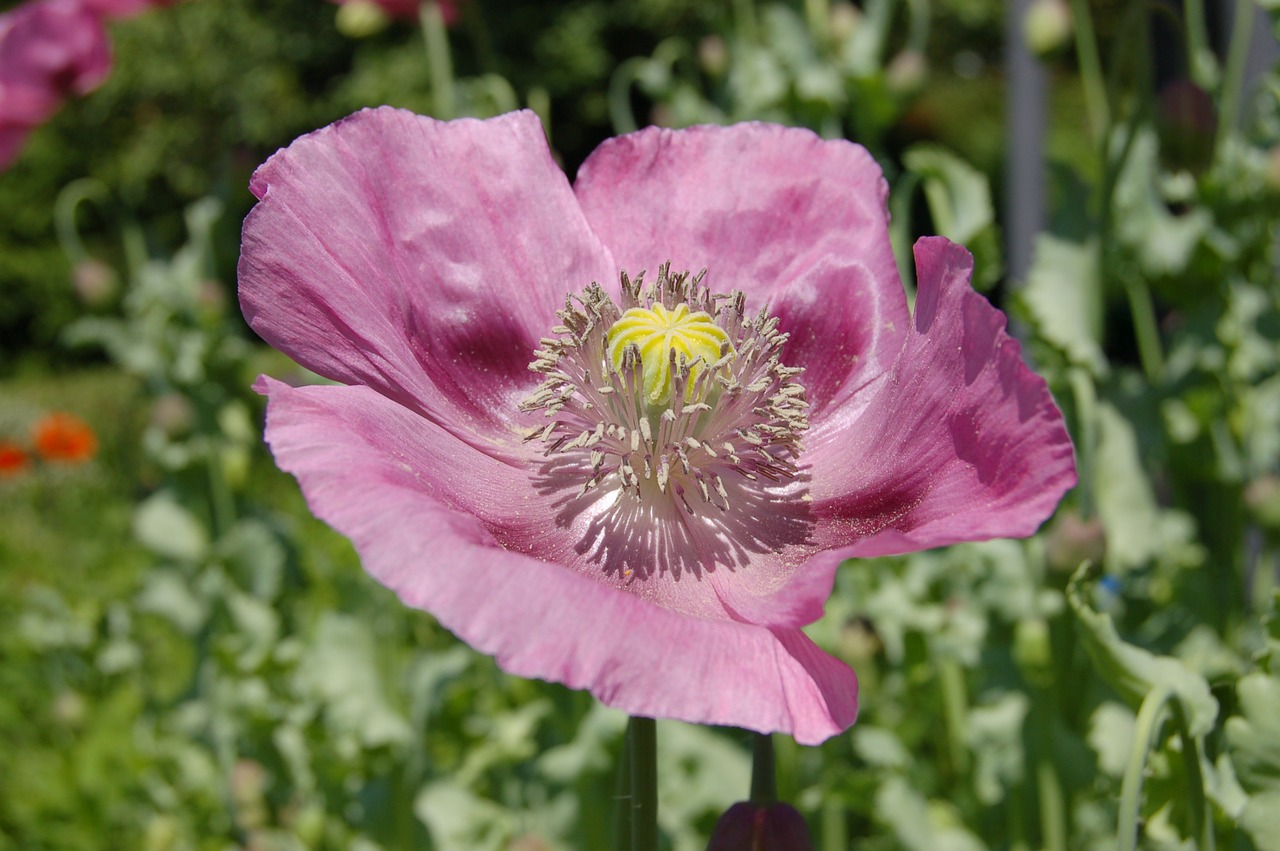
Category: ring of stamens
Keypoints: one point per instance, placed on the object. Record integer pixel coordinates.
(680, 420)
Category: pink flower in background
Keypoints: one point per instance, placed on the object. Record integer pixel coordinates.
(125, 8)
(49, 50)
(640, 489)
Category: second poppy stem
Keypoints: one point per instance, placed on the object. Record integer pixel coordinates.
(642, 743)
(764, 784)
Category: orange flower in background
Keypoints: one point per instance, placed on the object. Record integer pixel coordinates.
(64, 437)
(13, 458)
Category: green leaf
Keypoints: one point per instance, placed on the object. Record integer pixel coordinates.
(255, 557)
(919, 824)
(1254, 736)
(1261, 818)
(995, 735)
(880, 747)
(168, 594)
(1162, 241)
(959, 199)
(1063, 299)
(1111, 731)
(702, 775)
(589, 751)
(340, 668)
(458, 818)
(169, 530)
(1126, 502)
(1133, 671)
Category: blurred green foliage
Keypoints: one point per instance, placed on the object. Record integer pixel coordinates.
(191, 661)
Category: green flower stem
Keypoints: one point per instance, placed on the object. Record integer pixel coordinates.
(918, 34)
(1145, 327)
(620, 114)
(439, 60)
(1050, 799)
(65, 208)
(1095, 87)
(1085, 396)
(835, 835)
(1192, 754)
(1045, 706)
(955, 712)
(764, 783)
(539, 100)
(1015, 819)
(642, 742)
(817, 14)
(222, 510)
(744, 18)
(1150, 714)
(1199, 53)
(1053, 808)
(625, 814)
(1233, 81)
(877, 15)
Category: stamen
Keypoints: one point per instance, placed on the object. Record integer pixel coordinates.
(675, 399)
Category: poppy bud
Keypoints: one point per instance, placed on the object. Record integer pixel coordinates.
(95, 282)
(751, 827)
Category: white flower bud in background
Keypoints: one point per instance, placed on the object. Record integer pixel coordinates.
(844, 20)
(906, 73)
(361, 19)
(1047, 27)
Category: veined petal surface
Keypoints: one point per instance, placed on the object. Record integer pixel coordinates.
(962, 443)
(796, 222)
(421, 508)
(421, 258)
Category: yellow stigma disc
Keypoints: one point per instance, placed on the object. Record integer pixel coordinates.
(656, 332)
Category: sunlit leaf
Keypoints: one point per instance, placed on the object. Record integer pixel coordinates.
(458, 818)
(1132, 671)
(1261, 818)
(341, 669)
(1062, 299)
(995, 736)
(1254, 735)
(921, 825)
(163, 526)
(1126, 502)
(1111, 736)
(959, 199)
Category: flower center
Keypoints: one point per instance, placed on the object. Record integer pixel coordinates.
(673, 416)
(661, 337)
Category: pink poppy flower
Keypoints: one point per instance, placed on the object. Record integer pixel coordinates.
(125, 8)
(653, 500)
(49, 50)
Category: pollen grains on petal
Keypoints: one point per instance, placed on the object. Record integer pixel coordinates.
(673, 429)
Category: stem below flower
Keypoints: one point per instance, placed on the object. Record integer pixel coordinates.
(642, 746)
(764, 784)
